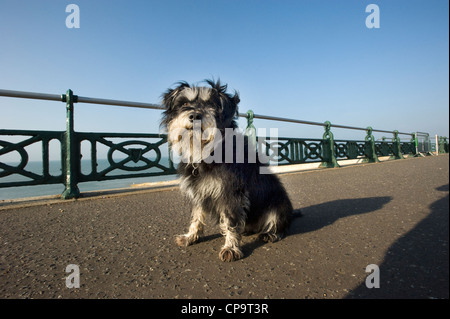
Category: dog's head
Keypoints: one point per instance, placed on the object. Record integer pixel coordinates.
(209, 108)
(212, 105)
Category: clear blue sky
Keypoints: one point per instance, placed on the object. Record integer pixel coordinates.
(310, 60)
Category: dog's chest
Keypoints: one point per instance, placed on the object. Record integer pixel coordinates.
(199, 188)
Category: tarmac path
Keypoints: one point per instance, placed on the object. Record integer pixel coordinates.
(392, 214)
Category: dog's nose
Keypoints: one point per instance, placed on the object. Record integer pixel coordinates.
(195, 116)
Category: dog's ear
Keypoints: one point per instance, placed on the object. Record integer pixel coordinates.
(234, 104)
(168, 98)
(236, 98)
(221, 91)
(227, 102)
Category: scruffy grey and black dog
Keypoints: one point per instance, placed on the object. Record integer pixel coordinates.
(229, 187)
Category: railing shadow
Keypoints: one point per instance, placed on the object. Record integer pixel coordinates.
(417, 264)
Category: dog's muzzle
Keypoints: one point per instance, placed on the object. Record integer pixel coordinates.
(194, 116)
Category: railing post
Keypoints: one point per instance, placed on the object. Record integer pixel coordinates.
(443, 145)
(250, 130)
(328, 148)
(436, 149)
(397, 146)
(413, 144)
(70, 150)
(371, 153)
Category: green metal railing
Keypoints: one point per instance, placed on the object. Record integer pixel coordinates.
(442, 145)
(139, 157)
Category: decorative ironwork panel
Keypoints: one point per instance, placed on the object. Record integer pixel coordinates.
(140, 155)
(284, 151)
(349, 149)
(384, 148)
(408, 147)
(19, 173)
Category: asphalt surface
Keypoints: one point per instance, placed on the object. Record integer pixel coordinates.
(392, 214)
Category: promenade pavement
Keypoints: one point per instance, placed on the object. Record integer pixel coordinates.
(392, 214)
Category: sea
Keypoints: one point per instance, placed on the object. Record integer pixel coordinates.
(57, 189)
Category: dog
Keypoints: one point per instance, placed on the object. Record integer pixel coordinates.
(217, 182)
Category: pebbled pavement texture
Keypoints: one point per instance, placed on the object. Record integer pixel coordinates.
(392, 214)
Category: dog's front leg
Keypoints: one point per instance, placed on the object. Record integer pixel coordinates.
(231, 251)
(195, 229)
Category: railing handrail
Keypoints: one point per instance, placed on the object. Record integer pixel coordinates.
(31, 95)
(81, 99)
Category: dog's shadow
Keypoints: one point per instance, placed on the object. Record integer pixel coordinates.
(315, 217)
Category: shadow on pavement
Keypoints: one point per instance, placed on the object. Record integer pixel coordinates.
(317, 216)
(417, 264)
(321, 215)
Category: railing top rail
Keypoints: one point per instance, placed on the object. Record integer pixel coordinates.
(30, 95)
(282, 119)
(81, 99)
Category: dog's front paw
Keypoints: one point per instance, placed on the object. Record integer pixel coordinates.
(227, 254)
(184, 240)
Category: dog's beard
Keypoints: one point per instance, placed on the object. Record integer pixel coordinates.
(193, 141)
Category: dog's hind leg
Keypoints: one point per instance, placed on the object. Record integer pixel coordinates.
(274, 227)
(232, 231)
(195, 229)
